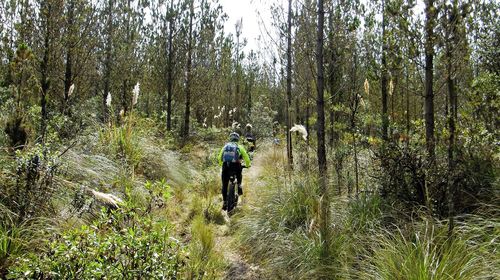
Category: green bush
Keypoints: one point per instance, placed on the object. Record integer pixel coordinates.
(120, 245)
(28, 190)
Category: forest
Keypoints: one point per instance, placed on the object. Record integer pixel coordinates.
(375, 148)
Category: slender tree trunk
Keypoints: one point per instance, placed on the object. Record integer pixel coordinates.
(450, 43)
(321, 150)
(385, 118)
(237, 72)
(289, 88)
(44, 69)
(429, 77)
(407, 103)
(108, 60)
(187, 111)
(170, 66)
(68, 75)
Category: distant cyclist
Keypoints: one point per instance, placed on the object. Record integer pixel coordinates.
(230, 159)
(250, 138)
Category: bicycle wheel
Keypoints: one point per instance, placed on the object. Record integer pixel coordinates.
(231, 199)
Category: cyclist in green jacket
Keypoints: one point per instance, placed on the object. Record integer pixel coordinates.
(230, 159)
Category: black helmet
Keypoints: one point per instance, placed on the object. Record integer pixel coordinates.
(234, 137)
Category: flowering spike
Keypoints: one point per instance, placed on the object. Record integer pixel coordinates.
(135, 91)
(71, 89)
(108, 100)
(301, 129)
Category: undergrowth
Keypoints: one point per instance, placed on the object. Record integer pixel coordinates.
(368, 238)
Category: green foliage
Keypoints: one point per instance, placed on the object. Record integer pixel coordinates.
(262, 120)
(28, 190)
(159, 193)
(117, 245)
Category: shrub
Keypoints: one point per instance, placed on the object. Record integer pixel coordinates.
(29, 190)
(262, 120)
(119, 245)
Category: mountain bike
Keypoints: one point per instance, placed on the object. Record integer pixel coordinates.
(232, 192)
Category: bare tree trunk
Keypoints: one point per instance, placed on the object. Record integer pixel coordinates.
(289, 88)
(450, 42)
(385, 118)
(68, 75)
(44, 70)
(107, 61)
(187, 111)
(170, 66)
(407, 103)
(321, 150)
(429, 77)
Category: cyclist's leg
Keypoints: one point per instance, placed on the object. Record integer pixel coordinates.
(239, 179)
(225, 183)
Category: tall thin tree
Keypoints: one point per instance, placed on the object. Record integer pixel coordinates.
(430, 12)
(289, 88)
(321, 149)
(189, 62)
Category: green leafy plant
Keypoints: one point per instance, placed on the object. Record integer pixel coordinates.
(117, 245)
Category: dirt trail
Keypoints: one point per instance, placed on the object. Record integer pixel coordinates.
(240, 268)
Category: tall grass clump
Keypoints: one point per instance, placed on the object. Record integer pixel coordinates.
(284, 234)
(204, 260)
(429, 252)
(364, 213)
(122, 136)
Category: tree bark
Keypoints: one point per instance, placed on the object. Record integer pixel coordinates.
(108, 61)
(385, 118)
(44, 68)
(429, 77)
(68, 75)
(321, 150)
(289, 88)
(170, 66)
(187, 110)
(452, 97)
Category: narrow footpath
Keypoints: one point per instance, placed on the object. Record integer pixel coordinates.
(239, 267)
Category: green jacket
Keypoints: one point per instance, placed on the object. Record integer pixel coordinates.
(241, 151)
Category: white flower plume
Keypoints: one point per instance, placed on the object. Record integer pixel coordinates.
(107, 198)
(71, 89)
(301, 129)
(135, 91)
(108, 100)
(367, 87)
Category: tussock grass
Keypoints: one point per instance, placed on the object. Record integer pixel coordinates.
(284, 233)
(428, 252)
(17, 239)
(204, 260)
